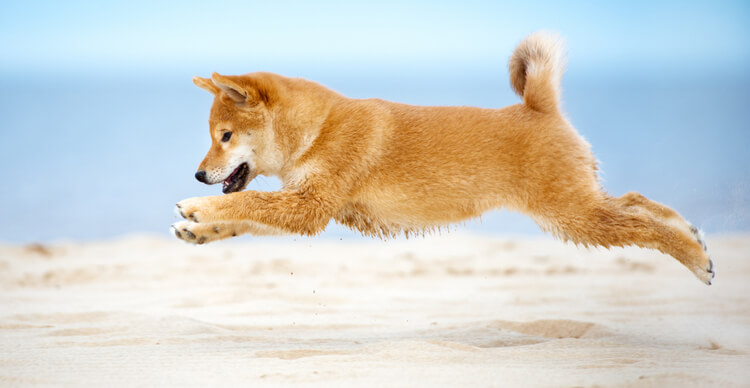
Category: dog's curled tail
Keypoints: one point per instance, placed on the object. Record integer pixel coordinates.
(536, 68)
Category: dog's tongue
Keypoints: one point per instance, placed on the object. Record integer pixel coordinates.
(230, 178)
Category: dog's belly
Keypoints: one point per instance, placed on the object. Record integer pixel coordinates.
(375, 221)
(388, 216)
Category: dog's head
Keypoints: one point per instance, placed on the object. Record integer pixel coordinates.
(243, 143)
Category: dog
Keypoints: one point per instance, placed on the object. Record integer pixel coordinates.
(386, 169)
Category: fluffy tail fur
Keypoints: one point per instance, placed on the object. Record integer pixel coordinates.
(536, 67)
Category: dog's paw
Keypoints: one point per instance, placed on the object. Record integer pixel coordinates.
(194, 209)
(182, 211)
(202, 233)
(189, 232)
(706, 272)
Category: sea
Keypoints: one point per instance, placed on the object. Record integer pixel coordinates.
(88, 157)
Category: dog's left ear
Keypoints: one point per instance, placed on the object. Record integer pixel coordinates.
(205, 84)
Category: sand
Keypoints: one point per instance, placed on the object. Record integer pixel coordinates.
(450, 310)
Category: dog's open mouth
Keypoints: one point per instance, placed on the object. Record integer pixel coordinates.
(237, 180)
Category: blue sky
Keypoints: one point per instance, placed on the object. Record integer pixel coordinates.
(84, 36)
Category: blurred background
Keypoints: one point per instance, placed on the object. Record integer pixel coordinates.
(101, 128)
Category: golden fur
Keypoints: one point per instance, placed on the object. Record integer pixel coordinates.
(385, 168)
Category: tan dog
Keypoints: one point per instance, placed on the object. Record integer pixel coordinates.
(385, 168)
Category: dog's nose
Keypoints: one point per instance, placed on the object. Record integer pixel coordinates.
(201, 176)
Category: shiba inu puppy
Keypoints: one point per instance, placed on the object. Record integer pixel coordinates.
(384, 168)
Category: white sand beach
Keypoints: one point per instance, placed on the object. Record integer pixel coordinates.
(450, 310)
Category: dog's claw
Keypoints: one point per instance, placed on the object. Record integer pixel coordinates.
(189, 234)
(178, 211)
(699, 236)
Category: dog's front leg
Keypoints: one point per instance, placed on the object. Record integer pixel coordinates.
(205, 232)
(300, 211)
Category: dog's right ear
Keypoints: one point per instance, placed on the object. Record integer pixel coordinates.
(232, 89)
(243, 89)
(206, 84)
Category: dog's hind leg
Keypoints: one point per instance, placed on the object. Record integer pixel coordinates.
(632, 220)
(635, 200)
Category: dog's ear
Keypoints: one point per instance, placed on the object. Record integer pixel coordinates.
(232, 88)
(205, 84)
(242, 89)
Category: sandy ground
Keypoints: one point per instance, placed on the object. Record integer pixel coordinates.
(451, 310)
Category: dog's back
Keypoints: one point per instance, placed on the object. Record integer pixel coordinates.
(439, 165)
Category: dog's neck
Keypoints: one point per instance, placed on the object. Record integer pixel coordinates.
(296, 137)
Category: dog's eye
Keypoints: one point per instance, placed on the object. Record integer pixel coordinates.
(226, 137)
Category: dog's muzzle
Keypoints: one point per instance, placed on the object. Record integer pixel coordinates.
(236, 181)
